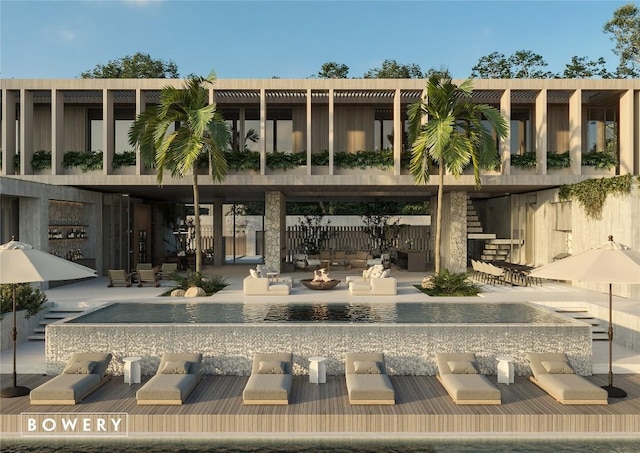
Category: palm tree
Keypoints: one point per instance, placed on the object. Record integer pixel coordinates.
(200, 132)
(447, 131)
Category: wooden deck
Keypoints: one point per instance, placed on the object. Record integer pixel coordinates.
(422, 408)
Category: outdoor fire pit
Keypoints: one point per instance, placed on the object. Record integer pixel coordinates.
(311, 284)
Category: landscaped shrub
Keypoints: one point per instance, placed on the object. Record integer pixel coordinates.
(448, 284)
(27, 298)
(211, 284)
(85, 160)
(125, 159)
(599, 159)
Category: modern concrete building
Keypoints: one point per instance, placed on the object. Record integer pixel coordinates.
(110, 217)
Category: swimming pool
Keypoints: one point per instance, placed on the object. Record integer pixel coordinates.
(408, 338)
(223, 313)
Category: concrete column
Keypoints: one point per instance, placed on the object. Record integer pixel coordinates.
(274, 229)
(505, 143)
(141, 106)
(398, 132)
(34, 222)
(626, 124)
(26, 131)
(575, 131)
(541, 132)
(108, 131)
(8, 130)
(331, 130)
(218, 237)
(57, 131)
(263, 131)
(454, 232)
(309, 96)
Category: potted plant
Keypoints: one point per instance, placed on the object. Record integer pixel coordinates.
(41, 160)
(83, 160)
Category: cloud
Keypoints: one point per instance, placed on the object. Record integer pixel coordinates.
(67, 35)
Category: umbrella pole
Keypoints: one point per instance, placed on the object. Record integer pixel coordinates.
(12, 392)
(614, 392)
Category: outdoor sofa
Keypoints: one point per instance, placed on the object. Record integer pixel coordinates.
(375, 281)
(553, 374)
(83, 373)
(270, 380)
(255, 285)
(177, 376)
(367, 380)
(460, 376)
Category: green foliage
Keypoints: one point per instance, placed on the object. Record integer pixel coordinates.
(363, 159)
(357, 208)
(333, 70)
(381, 230)
(448, 284)
(391, 69)
(580, 68)
(525, 160)
(314, 233)
(27, 298)
(85, 160)
(137, 66)
(321, 158)
(286, 161)
(125, 159)
(591, 194)
(558, 160)
(243, 160)
(599, 159)
(41, 160)
(624, 30)
(523, 64)
(211, 284)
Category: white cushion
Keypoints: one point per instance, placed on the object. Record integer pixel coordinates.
(253, 273)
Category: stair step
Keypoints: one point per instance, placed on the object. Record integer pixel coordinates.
(571, 310)
(472, 230)
(481, 236)
(600, 337)
(507, 241)
(472, 218)
(39, 330)
(36, 337)
(65, 310)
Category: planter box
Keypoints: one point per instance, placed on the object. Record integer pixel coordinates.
(128, 170)
(559, 171)
(589, 170)
(361, 171)
(299, 170)
(523, 171)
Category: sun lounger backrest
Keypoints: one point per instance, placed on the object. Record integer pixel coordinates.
(194, 358)
(285, 357)
(536, 359)
(443, 358)
(102, 360)
(351, 357)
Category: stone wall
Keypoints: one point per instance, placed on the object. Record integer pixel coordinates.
(274, 229)
(409, 349)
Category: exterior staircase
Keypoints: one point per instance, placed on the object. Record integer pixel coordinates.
(494, 249)
(52, 315)
(598, 332)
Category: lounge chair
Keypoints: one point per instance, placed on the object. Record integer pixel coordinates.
(167, 270)
(177, 376)
(148, 276)
(460, 376)
(553, 374)
(367, 381)
(84, 373)
(270, 380)
(119, 277)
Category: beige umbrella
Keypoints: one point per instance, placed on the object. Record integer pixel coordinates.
(610, 262)
(21, 263)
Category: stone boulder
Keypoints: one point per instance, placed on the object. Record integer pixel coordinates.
(177, 293)
(195, 291)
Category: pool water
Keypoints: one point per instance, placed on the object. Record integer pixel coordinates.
(324, 446)
(419, 312)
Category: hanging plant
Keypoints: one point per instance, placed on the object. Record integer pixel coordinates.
(125, 159)
(599, 159)
(41, 160)
(558, 160)
(525, 160)
(85, 160)
(592, 193)
(286, 161)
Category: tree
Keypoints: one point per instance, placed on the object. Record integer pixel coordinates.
(624, 29)
(333, 70)
(391, 69)
(199, 130)
(580, 68)
(138, 66)
(523, 64)
(446, 130)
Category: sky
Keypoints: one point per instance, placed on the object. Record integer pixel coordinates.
(292, 39)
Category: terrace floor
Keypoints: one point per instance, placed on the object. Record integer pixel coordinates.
(423, 407)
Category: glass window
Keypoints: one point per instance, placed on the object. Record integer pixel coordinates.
(602, 130)
(520, 128)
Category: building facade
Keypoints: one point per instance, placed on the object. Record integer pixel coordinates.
(295, 140)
